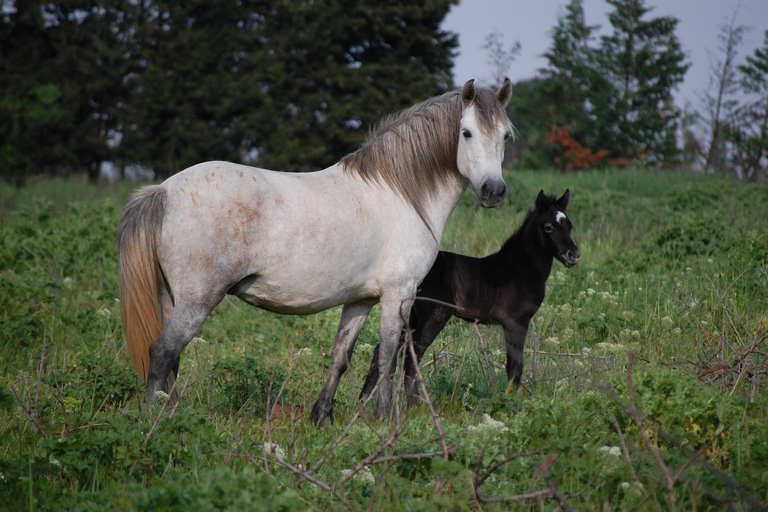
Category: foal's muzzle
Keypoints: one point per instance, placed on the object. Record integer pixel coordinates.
(492, 192)
(571, 257)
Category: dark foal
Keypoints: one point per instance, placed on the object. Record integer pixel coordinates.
(505, 288)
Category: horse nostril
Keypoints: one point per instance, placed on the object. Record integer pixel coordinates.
(574, 255)
(485, 191)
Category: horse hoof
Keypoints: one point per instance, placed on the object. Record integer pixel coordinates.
(321, 416)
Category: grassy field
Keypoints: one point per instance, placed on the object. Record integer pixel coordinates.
(644, 387)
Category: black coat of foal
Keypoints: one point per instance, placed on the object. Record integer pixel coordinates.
(505, 288)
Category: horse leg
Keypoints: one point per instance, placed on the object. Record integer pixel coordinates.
(352, 319)
(373, 375)
(514, 336)
(428, 320)
(181, 326)
(166, 309)
(373, 371)
(394, 311)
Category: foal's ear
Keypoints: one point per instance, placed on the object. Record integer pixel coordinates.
(504, 92)
(563, 201)
(468, 93)
(542, 202)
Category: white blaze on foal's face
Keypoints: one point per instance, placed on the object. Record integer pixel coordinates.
(560, 217)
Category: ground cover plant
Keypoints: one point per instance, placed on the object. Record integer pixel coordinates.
(644, 386)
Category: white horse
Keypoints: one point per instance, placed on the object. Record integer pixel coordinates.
(363, 231)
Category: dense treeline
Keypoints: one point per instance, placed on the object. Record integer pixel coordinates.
(283, 84)
(156, 85)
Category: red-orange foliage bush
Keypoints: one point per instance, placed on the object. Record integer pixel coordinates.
(575, 155)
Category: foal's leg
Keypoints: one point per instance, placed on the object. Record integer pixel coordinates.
(352, 319)
(514, 335)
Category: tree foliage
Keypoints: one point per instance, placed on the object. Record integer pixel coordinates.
(615, 96)
(750, 136)
(284, 84)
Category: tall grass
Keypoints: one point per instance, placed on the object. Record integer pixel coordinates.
(644, 386)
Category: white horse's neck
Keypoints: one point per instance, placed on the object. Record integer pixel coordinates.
(439, 209)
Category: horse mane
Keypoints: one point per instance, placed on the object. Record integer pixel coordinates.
(414, 151)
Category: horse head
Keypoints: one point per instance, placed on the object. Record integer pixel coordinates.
(484, 128)
(555, 228)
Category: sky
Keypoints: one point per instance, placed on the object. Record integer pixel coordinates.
(530, 23)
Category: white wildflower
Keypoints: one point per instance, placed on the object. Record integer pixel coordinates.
(640, 289)
(666, 320)
(274, 449)
(586, 351)
(611, 450)
(590, 291)
(68, 282)
(489, 424)
(636, 333)
(305, 351)
(366, 346)
(601, 316)
(53, 460)
(364, 476)
(553, 340)
(198, 339)
(161, 396)
(677, 330)
(104, 313)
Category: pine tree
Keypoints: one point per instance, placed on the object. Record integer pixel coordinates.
(749, 136)
(643, 62)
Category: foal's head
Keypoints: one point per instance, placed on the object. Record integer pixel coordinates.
(554, 228)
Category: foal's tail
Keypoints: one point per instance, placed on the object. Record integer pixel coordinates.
(140, 276)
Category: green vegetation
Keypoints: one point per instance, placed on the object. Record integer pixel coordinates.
(644, 387)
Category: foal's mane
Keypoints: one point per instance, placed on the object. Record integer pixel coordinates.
(414, 151)
(514, 240)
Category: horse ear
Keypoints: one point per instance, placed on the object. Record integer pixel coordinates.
(468, 93)
(563, 201)
(505, 92)
(541, 201)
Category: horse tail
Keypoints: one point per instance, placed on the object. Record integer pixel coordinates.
(140, 275)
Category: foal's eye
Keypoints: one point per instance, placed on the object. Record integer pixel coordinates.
(467, 134)
(548, 227)
(507, 135)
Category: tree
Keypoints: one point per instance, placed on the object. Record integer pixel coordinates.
(60, 76)
(334, 68)
(643, 62)
(562, 96)
(719, 99)
(288, 85)
(499, 57)
(750, 136)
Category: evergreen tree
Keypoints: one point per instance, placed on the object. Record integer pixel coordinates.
(749, 136)
(60, 75)
(333, 68)
(643, 62)
(561, 100)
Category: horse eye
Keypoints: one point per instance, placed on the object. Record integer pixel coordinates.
(548, 227)
(507, 135)
(467, 134)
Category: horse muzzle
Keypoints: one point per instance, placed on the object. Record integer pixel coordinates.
(492, 192)
(571, 257)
